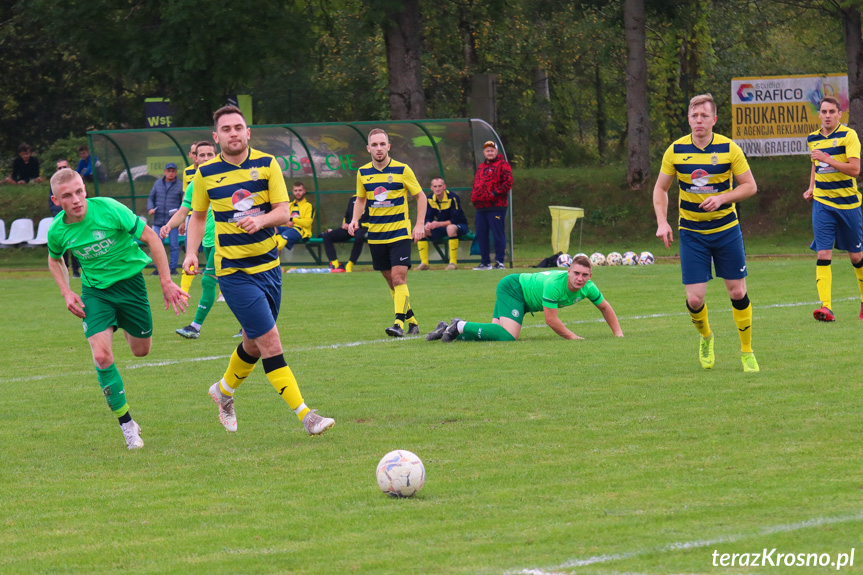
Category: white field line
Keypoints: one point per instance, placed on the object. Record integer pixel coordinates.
(168, 362)
(685, 545)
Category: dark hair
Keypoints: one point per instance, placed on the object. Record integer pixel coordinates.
(299, 184)
(224, 111)
(23, 148)
(204, 143)
(830, 100)
(83, 148)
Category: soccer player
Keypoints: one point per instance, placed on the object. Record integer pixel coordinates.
(704, 164)
(534, 292)
(204, 152)
(299, 227)
(189, 172)
(385, 183)
(101, 232)
(837, 220)
(444, 219)
(247, 193)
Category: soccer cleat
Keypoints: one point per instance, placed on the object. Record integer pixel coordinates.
(499, 266)
(750, 364)
(705, 352)
(221, 297)
(316, 424)
(188, 332)
(132, 433)
(239, 333)
(437, 332)
(395, 331)
(452, 267)
(227, 416)
(414, 329)
(483, 267)
(824, 314)
(451, 331)
(337, 269)
(422, 267)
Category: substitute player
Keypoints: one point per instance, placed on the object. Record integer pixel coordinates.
(837, 220)
(101, 233)
(204, 152)
(544, 291)
(385, 184)
(704, 164)
(247, 193)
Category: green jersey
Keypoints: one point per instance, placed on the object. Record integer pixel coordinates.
(210, 230)
(551, 289)
(104, 242)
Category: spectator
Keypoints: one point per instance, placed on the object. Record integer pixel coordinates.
(25, 168)
(299, 228)
(490, 197)
(342, 235)
(165, 199)
(56, 209)
(86, 163)
(444, 218)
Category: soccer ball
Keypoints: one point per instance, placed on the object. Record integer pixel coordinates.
(614, 259)
(564, 260)
(580, 254)
(401, 473)
(597, 259)
(645, 258)
(630, 259)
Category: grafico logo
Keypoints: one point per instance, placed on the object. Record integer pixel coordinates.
(768, 92)
(744, 92)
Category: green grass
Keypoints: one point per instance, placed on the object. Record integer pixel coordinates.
(539, 454)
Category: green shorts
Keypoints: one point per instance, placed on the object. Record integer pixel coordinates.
(210, 254)
(510, 299)
(124, 305)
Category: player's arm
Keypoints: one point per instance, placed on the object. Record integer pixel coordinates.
(61, 275)
(660, 208)
(194, 235)
(807, 195)
(422, 205)
(279, 215)
(610, 317)
(552, 321)
(849, 168)
(359, 208)
(745, 188)
(171, 292)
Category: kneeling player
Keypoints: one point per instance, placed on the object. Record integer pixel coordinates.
(544, 291)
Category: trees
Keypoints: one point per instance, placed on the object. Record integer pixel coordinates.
(638, 113)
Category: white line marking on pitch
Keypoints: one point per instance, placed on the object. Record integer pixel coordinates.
(160, 363)
(682, 546)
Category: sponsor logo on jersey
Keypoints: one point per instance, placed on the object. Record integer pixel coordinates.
(243, 200)
(99, 235)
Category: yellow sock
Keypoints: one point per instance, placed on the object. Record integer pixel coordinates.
(423, 247)
(453, 251)
(859, 272)
(282, 379)
(186, 282)
(824, 283)
(280, 242)
(401, 300)
(334, 263)
(743, 319)
(349, 267)
(699, 320)
(240, 366)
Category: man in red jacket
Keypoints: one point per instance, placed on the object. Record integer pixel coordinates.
(490, 197)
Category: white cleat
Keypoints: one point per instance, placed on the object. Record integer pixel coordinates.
(132, 433)
(227, 416)
(316, 424)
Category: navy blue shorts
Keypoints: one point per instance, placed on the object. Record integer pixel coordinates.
(438, 234)
(254, 299)
(723, 249)
(839, 229)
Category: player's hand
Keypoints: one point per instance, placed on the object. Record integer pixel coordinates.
(353, 227)
(164, 231)
(664, 233)
(820, 156)
(345, 226)
(189, 264)
(711, 204)
(75, 305)
(807, 195)
(181, 229)
(174, 296)
(249, 225)
(419, 233)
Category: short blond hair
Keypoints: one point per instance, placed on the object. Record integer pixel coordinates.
(63, 176)
(377, 131)
(702, 99)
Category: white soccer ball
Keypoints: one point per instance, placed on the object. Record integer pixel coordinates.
(630, 259)
(645, 258)
(597, 259)
(614, 259)
(401, 473)
(564, 260)
(580, 254)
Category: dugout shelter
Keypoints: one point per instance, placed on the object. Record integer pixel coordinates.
(325, 157)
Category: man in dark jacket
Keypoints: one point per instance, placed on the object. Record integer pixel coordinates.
(490, 197)
(165, 199)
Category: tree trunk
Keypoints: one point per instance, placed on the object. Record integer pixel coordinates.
(542, 95)
(637, 112)
(854, 60)
(468, 44)
(402, 39)
(600, 113)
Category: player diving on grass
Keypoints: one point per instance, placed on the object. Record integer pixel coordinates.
(101, 233)
(533, 292)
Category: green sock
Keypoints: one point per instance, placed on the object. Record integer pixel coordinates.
(112, 386)
(485, 332)
(208, 297)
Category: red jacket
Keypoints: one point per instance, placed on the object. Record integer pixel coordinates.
(491, 184)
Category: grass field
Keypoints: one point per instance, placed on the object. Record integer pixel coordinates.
(542, 456)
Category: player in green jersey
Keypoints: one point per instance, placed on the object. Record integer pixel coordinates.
(544, 291)
(101, 232)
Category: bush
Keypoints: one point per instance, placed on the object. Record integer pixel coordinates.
(63, 149)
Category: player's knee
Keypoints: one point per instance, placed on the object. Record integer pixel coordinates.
(103, 358)
(451, 230)
(141, 349)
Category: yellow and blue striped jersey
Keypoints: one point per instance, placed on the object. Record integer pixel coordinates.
(235, 192)
(386, 193)
(832, 187)
(702, 173)
(188, 174)
(303, 216)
